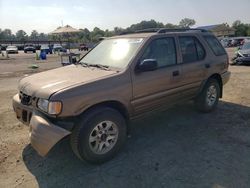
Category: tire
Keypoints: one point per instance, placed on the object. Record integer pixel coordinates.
(88, 130)
(208, 99)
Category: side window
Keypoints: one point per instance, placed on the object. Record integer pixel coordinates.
(200, 50)
(163, 50)
(215, 45)
(191, 49)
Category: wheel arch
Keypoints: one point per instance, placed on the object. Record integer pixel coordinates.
(215, 76)
(116, 105)
(219, 79)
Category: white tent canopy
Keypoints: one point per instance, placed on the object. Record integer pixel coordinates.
(64, 30)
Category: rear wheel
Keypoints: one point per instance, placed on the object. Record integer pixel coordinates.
(99, 135)
(209, 97)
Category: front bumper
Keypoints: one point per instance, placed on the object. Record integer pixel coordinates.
(225, 77)
(242, 59)
(12, 52)
(43, 134)
(23, 112)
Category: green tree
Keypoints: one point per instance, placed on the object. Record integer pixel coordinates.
(34, 35)
(146, 25)
(241, 29)
(187, 23)
(96, 34)
(6, 34)
(21, 35)
(248, 31)
(118, 31)
(108, 33)
(236, 23)
(171, 26)
(43, 37)
(84, 35)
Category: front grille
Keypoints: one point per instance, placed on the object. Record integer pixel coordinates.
(25, 99)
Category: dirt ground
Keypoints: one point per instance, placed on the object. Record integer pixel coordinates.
(176, 148)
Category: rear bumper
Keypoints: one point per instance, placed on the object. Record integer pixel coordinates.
(225, 77)
(43, 134)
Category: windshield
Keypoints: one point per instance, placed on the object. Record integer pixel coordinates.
(246, 46)
(115, 53)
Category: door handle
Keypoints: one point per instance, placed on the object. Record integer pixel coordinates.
(207, 65)
(176, 73)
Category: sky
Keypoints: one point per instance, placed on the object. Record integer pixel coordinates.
(46, 15)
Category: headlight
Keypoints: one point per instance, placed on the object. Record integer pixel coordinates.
(43, 104)
(53, 107)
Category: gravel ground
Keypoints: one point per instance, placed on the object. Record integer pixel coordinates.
(176, 148)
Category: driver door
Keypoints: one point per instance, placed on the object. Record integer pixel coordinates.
(153, 89)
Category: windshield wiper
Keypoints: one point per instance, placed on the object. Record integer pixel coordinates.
(105, 67)
(84, 64)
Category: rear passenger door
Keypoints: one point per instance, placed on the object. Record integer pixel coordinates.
(194, 64)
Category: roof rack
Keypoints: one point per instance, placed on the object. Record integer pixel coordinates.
(149, 30)
(165, 30)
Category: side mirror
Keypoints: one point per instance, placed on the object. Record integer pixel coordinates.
(147, 65)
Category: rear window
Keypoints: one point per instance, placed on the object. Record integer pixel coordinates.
(215, 45)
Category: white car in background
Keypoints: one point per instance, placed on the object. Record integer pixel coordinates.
(12, 50)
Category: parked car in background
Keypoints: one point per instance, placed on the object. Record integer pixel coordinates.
(238, 41)
(224, 42)
(121, 79)
(29, 48)
(242, 55)
(246, 40)
(58, 48)
(12, 50)
(83, 47)
(46, 48)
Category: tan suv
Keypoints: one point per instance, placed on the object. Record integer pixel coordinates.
(121, 79)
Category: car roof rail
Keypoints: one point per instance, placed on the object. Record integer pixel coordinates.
(149, 30)
(166, 30)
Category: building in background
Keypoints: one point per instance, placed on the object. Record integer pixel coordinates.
(219, 30)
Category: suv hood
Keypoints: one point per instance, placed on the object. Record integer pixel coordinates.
(44, 84)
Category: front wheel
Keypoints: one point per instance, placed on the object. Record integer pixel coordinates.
(99, 135)
(208, 99)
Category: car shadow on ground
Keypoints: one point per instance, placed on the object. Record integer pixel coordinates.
(179, 147)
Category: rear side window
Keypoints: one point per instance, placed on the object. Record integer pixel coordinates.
(163, 50)
(215, 45)
(191, 49)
